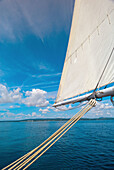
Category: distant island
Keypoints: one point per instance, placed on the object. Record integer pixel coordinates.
(57, 119)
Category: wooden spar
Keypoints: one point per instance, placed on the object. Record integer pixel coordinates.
(98, 94)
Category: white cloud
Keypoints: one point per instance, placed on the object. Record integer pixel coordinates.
(9, 114)
(109, 107)
(12, 116)
(42, 83)
(43, 67)
(61, 108)
(105, 105)
(44, 110)
(17, 106)
(36, 97)
(39, 18)
(14, 106)
(28, 115)
(51, 95)
(102, 108)
(108, 113)
(70, 107)
(9, 96)
(2, 114)
(20, 114)
(48, 107)
(48, 75)
(58, 109)
(11, 106)
(34, 114)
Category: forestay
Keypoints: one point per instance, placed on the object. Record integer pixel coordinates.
(90, 44)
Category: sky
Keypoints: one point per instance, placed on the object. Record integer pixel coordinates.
(33, 42)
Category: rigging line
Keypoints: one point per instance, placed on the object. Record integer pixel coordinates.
(29, 153)
(59, 136)
(35, 154)
(74, 117)
(27, 160)
(111, 80)
(52, 140)
(91, 104)
(109, 83)
(79, 105)
(104, 69)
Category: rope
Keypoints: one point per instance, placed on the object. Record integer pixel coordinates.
(22, 158)
(57, 138)
(29, 153)
(16, 165)
(104, 68)
(79, 105)
(29, 159)
(26, 161)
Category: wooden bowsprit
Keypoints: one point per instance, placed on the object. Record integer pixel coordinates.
(25, 161)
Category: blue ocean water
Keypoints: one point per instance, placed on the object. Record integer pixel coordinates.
(87, 145)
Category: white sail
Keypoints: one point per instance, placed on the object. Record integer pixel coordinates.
(90, 45)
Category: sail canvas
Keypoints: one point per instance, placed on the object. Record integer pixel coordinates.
(90, 44)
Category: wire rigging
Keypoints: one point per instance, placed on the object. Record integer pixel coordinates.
(104, 69)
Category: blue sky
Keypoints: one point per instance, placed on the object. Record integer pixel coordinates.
(33, 43)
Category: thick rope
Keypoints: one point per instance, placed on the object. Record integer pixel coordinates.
(79, 105)
(29, 159)
(26, 155)
(29, 153)
(56, 140)
(31, 156)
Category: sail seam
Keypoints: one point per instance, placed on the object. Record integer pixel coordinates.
(90, 35)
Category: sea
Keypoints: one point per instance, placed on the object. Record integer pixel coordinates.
(89, 144)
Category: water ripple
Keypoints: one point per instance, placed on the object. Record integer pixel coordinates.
(88, 145)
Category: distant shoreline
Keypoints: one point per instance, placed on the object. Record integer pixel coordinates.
(56, 119)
